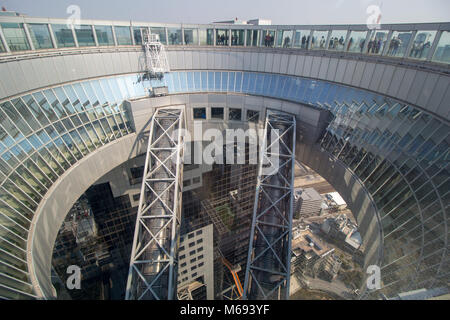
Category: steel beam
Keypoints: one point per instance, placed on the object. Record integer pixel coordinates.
(153, 263)
(269, 254)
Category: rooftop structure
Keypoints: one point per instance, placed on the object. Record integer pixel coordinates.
(371, 117)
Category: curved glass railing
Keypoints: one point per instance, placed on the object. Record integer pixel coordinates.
(418, 42)
(400, 153)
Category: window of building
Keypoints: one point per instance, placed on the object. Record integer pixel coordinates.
(201, 264)
(85, 36)
(356, 41)
(422, 44)
(268, 38)
(200, 257)
(186, 183)
(193, 268)
(136, 175)
(301, 38)
(199, 113)
(191, 244)
(377, 42)
(206, 37)
(442, 53)
(399, 43)
(284, 38)
(123, 36)
(136, 197)
(196, 180)
(182, 257)
(222, 37)
(337, 40)
(192, 252)
(217, 113)
(190, 36)
(200, 249)
(319, 40)
(199, 241)
(63, 35)
(104, 35)
(190, 235)
(199, 232)
(174, 36)
(139, 33)
(235, 114)
(15, 36)
(40, 35)
(193, 260)
(194, 274)
(182, 247)
(252, 116)
(183, 265)
(237, 37)
(161, 32)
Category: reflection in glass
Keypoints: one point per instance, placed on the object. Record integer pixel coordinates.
(40, 35)
(268, 38)
(442, 53)
(319, 40)
(123, 36)
(190, 36)
(284, 38)
(85, 36)
(337, 40)
(302, 38)
(15, 36)
(174, 36)
(161, 32)
(237, 37)
(63, 35)
(139, 34)
(206, 37)
(377, 41)
(222, 37)
(104, 35)
(356, 41)
(422, 44)
(399, 43)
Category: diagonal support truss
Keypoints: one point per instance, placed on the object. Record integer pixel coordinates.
(153, 264)
(269, 254)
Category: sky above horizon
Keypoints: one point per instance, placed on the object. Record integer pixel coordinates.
(207, 11)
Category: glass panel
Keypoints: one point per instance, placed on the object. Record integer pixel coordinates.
(199, 113)
(422, 44)
(301, 38)
(174, 36)
(217, 113)
(237, 37)
(268, 38)
(377, 41)
(63, 35)
(337, 40)
(123, 36)
(442, 53)
(319, 40)
(104, 35)
(161, 32)
(235, 114)
(85, 36)
(206, 37)
(222, 37)
(190, 36)
(284, 38)
(15, 36)
(139, 34)
(40, 35)
(356, 41)
(399, 43)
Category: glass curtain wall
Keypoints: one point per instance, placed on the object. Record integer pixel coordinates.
(40, 35)
(356, 41)
(442, 53)
(15, 36)
(191, 36)
(123, 35)
(422, 44)
(63, 35)
(337, 40)
(399, 43)
(85, 36)
(302, 38)
(104, 35)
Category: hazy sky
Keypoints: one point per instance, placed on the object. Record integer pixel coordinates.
(206, 11)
